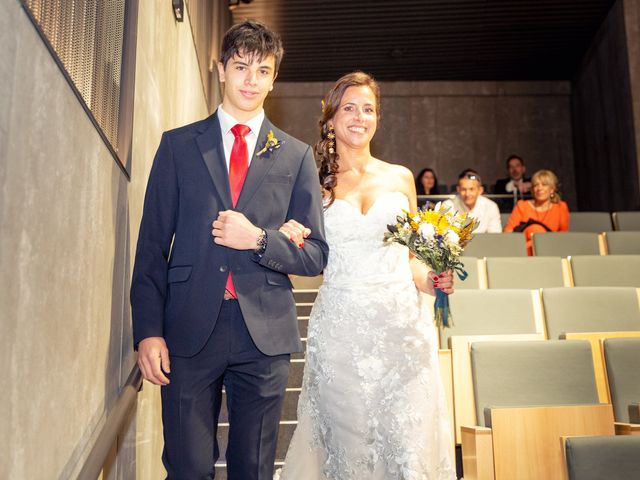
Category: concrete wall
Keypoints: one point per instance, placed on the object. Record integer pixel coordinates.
(603, 119)
(69, 222)
(450, 126)
(632, 30)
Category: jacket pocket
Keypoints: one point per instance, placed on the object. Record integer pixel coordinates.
(179, 274)
(277, 179)
(278, 279)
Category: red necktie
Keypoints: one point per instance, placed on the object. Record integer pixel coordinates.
(238, 166)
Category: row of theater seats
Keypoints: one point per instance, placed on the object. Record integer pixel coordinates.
(598, 221)
(560, 244)
(551, 271)
(529, 323)
(533, 399)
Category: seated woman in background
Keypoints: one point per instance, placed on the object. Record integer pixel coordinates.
(544, 213)
(427, 182)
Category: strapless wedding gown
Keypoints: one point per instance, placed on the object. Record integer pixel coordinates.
(372, 404)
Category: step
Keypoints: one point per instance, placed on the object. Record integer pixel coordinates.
(289, 408)
(303, 324)
(285, 433)
(299, 355)
(221, 469)
(305, 295)
(304, 309)
(306, 282)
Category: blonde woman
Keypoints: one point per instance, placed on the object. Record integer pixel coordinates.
(546, 212)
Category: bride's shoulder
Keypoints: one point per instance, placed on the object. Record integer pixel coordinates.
(396, 170)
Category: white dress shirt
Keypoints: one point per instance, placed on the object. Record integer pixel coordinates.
(485, 210)
(227, 122)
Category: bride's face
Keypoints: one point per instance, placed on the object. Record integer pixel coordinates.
(356, 119)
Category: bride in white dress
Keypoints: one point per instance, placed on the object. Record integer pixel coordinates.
(372, 404)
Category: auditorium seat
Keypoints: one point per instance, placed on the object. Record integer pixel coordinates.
(623, 243)
(527, 272)
(527, 396)
(622, 359)
(493, 312)
(496, 245)
(605, 271)
(602, 457)
(477, 274)
(590, 309)
(626, 221)
(563, 244)
(595, 222)
(485, 315)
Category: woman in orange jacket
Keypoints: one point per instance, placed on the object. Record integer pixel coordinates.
(546, 212)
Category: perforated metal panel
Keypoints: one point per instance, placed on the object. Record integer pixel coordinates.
(87, 37)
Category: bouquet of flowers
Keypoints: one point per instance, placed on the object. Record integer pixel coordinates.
(436, 237)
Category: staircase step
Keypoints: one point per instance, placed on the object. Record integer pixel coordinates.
(306, 282)
(296, 370)
(304, 309)
(221, 469)
(284, 437)
(299, 355)
(305, 295)
(289, 407)
(303, 324)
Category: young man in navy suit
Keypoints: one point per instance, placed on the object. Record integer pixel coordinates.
(213, 311)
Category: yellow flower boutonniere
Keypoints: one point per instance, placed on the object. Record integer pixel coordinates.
(272, 144)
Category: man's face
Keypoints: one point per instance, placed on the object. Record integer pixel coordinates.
(247, 81)
(469, 190)
(516, 169)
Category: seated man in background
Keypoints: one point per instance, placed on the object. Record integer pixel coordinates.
(516, 182)
(470, 199)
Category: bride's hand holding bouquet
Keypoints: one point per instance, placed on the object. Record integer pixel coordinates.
(437, 238)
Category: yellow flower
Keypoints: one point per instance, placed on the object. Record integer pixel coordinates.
(271, 144)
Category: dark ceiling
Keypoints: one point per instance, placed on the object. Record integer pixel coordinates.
(431, 39)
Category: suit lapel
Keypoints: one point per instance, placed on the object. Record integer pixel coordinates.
(210, 144)
(259, 167)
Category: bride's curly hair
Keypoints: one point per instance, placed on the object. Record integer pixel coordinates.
(330, 104)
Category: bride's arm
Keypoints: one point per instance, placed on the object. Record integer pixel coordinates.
(426, 281)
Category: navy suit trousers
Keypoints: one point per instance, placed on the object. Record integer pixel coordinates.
(255, 385)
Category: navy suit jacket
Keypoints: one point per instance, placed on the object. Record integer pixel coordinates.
(180, 273)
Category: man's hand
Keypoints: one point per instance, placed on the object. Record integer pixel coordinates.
(296, 232)
(232, 229)
(153, 360)
(523, 187)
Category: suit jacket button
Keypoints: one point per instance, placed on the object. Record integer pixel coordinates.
(223, 268)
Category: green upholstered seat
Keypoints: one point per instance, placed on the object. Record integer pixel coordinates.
(524, 272)
(532, 373)
(622, 358)
(590, 222)
(496, 245)
(491, 312)
(606, 271)
(603, 457)
(590, 309)
(563, 244)
(626, 221)
(475, 270)
(623, 243)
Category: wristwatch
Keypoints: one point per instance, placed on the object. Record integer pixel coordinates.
(261, 243)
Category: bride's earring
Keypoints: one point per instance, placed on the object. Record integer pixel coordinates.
(332, 140)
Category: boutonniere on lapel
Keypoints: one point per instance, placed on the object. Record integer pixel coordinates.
(272, 144)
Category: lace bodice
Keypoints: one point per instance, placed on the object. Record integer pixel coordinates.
(358, 254)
